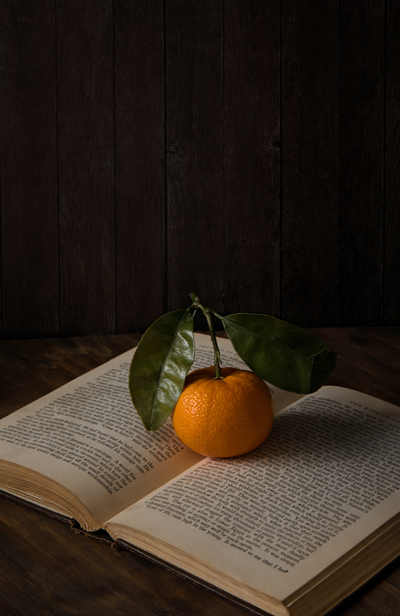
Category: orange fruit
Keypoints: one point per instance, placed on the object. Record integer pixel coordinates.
(223, 418)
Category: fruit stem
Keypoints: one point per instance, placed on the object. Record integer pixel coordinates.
(217, 355)
(207, 313)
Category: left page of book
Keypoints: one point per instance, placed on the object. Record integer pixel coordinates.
(83, 446)
(87, 439)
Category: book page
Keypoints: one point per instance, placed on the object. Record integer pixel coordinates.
(88, 437)
(327, 476)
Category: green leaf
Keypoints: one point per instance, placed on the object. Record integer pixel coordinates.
(160, 365)
(285, 355)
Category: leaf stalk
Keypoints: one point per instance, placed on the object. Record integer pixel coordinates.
(207, 313)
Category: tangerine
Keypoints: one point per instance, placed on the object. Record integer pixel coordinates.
(222, 418)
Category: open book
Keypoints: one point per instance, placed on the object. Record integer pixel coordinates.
(291, 528)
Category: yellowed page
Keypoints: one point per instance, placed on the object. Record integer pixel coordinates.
(326, 477)
(87, 437)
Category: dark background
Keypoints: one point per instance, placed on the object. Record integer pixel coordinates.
(246, 150)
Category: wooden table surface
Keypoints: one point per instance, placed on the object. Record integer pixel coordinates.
(47, 569)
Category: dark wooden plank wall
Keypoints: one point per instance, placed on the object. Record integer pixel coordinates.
(252, 154)
(194, 151)
(247, 151)
(139, 163)
(392, 164)
(361, 148)
(86, 165)
(310, 161)
(28, 173)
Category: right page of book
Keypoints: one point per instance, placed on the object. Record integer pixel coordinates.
(326, 478)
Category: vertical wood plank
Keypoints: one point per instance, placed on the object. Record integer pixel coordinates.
(361, 161)
(139, 151)
(29, 210)
(194, 115)
(392, 166)
(252, 156)
(86, 166)
(310, 161)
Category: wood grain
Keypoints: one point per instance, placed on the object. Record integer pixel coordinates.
(74, 575)
(139, 163)
(252, 156)
(361, 162)
(47, 569)
(377, 372)
(391, 297)
(86, 166)
(310, 165)
(194, 117)
(28, 168)
(246, 151)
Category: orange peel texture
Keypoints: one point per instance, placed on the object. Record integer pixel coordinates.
(223, 418)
